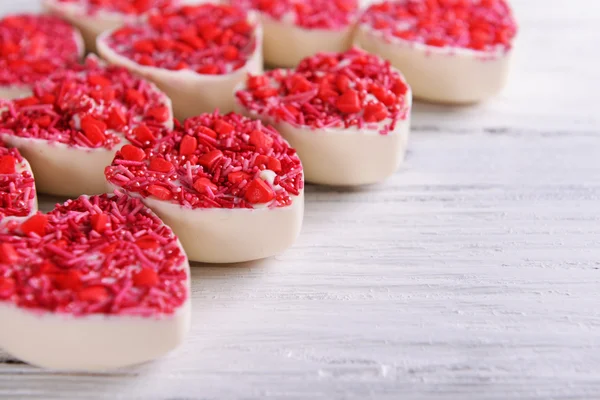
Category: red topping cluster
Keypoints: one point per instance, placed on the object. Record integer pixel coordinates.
(133, 7)
(474, 24)
(213, 161)
(98, 255)
(90, 106)
(208, 39)
(315, 14)
(17, 188)
(32, 46)
(331, 91)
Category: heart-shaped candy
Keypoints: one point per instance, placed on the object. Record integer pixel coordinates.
(71, 126)
(231, 188)
(98, 283)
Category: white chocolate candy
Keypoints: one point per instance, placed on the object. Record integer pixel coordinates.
(455, 60)
(69, 166)
(192, 93)
(127, 317)
(236, 209)
(338, 155)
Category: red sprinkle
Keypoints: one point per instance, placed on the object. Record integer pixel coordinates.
(485, 25)
(8, 254)
(36, 224)
(89, 105)
(8, 164)
(259, 191)
(214, 161)
(17, 187)
(70, 279)
(160, 165)
(93, 294)
(7, 287)
(146, 277)
(203, 185)
(188, 145)
(315, 14)
(211, 39)
(32, 45)
(338, 90)
(160, 192)
(75, 269)
(100, 222)
(349, 102)
(132, 153)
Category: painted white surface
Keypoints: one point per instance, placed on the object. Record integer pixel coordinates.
(473, 273)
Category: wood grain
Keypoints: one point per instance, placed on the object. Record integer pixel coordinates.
(474, 273)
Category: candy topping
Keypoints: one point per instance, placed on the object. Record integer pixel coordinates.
(323, 14)
(88, 260)
(208, 39)
(17, 187)
(31, 46)
(331, 91)
(214, 161)
(88, 106)
(475, 24)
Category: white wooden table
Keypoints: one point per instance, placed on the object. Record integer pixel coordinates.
(474, 273)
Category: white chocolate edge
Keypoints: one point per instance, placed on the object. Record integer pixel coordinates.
(286, 44)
